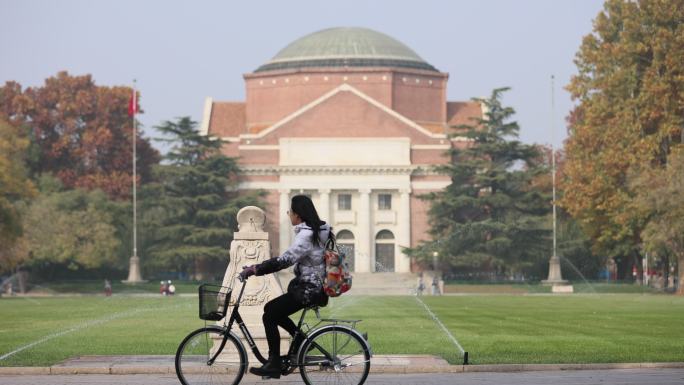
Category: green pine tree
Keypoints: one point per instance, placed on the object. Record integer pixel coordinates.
(490, 217)
(191, 209)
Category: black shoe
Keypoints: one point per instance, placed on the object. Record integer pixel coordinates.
(271, 369)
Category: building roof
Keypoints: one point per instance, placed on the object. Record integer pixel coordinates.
(346, 47)
(459, 113)
(227, 119)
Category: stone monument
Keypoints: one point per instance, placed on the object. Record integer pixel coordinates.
(250, 246)
(556, 281)
(134, 275)
(555, 277)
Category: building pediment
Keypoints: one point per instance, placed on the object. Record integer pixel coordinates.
(344, 112)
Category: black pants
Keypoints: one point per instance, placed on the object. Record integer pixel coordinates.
(276, 313)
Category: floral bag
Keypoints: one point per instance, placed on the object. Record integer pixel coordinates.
(337, 278)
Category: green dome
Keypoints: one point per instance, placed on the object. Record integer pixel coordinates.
(346, 47)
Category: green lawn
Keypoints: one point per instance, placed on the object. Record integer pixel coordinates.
(492, 328)
(97, 287)
(535, 288)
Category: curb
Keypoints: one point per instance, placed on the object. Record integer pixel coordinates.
(557, 367)
(384, 369)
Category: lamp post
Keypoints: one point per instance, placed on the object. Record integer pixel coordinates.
(437, 284)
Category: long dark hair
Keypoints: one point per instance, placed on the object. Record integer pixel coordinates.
(304, 207)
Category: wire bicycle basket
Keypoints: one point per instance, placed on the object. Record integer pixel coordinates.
(213, 301)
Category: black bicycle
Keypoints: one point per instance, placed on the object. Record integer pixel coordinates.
(330, 352)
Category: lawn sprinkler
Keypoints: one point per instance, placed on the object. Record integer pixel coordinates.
(465, 358)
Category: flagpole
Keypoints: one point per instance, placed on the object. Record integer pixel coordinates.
(135, 172)
(553, 158)
(555, 277)
(134, 275)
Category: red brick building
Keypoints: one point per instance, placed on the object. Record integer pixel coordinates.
(356, 120)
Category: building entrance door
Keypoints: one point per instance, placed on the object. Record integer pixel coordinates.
(345, 242)
(384, 251)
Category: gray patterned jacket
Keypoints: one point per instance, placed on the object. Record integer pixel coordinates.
(309, 264)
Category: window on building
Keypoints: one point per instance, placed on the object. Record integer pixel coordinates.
(344, 202)
(345, 235)
(385, 202)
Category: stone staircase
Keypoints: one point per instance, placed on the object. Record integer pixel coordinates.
(370, 283)
(383, 284)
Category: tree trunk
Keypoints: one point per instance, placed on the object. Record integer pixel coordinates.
(680, 274)
(639, 269)
(624, 268)
(200, 268)
(22, 280)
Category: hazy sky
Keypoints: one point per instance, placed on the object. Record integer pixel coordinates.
(181, 52)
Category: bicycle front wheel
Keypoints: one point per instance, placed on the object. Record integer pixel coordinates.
(334, 355)
(193, 358)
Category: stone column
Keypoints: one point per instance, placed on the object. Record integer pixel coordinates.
(251, 246)
(364, 260)
(134, 275)
(284, 228)
(403, 262)
(324, 210)
(555, 277)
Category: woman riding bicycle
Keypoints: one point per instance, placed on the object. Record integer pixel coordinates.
(306, 289)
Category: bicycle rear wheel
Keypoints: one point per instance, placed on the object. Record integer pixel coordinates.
(194, 353)
(334, 355)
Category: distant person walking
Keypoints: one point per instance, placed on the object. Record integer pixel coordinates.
(107, 288)
(9, 289)
(421, 285)
(435, 286)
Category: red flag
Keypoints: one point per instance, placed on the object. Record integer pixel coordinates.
(132, 104)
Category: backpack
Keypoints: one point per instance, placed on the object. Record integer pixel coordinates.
(337, 278)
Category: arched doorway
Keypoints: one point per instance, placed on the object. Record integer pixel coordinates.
(384, 251)
(345, 241)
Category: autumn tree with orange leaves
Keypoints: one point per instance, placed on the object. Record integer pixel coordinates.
(660, 197)
(80, 132)
(630, 114)
(15, 186)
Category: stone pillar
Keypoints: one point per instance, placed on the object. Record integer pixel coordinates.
(284, 228)
(364, 260)
(134, 275)
(555, 277)
(250, 246)
(402, 261)
(324, 210)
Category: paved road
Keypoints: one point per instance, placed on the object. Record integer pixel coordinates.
(580, 377)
